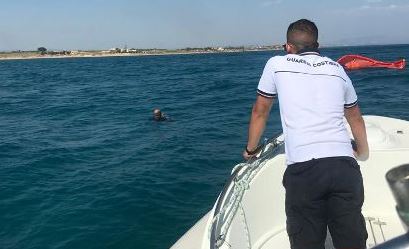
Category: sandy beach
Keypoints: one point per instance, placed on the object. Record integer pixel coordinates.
(85, 55)
(29, 55)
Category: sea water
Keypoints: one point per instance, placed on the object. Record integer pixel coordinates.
(82, 164)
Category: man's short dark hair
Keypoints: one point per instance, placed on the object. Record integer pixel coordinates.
(303, 34)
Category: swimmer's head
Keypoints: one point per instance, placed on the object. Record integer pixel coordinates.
(157, 114)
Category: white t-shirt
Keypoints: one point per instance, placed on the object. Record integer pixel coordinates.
(313, 91)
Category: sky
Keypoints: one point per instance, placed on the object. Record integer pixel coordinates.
(104, 24)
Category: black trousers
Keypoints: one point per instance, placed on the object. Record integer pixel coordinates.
(325, 193)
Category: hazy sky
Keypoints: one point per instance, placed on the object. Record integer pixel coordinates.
(102, 24)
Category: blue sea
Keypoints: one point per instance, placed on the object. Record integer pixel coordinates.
(82, 165)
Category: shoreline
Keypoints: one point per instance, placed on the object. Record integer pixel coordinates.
(101, 55)
(33, 55)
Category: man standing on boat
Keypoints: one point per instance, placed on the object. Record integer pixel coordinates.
(323, 181)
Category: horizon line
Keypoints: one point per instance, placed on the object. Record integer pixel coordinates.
(203, 47)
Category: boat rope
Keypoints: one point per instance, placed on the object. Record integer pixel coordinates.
(246, 226)
(246, 172)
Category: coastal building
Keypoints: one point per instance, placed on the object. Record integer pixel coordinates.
(115, 50)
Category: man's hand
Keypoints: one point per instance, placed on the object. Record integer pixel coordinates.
(259, 116)
(357, 124)
(246, 155)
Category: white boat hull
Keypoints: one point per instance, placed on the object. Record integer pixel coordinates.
(260, 222)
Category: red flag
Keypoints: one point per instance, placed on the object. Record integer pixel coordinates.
(352, 62)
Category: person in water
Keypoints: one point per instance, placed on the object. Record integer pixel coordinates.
(158, 115)
(323, 182)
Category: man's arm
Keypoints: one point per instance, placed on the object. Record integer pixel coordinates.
(357, 124)
(259, 116)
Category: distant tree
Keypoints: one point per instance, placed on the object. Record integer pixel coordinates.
(42, 50)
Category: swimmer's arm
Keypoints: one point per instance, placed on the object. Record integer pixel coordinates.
(357, 124)
(259, 116)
